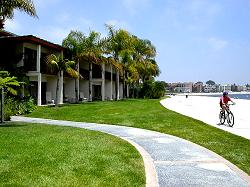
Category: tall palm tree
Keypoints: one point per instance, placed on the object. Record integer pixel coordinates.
(144, 56)
(86, 49)
(119, 47)
(7, 8)
(74, 42)
(57, 64)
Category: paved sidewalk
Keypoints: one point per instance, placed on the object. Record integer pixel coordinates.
(169, 160)
(207, 110)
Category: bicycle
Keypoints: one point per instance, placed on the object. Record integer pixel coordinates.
(227, 115)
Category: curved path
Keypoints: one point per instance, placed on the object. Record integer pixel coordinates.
(169, 160)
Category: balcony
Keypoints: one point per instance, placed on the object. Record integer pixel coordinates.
(30, 65)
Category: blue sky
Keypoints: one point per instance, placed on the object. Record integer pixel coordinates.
(196, 40)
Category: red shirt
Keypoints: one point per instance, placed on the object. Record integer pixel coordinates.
(224, 99)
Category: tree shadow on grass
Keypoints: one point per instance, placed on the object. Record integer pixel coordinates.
(11, 124)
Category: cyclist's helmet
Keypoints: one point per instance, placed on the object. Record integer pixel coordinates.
(225, 93)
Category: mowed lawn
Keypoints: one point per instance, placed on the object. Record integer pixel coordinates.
(149, 114)
(43, 155)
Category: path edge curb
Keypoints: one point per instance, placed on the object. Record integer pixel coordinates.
(149, 167)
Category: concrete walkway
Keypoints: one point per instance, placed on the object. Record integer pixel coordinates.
(207, 109)
(168, 160)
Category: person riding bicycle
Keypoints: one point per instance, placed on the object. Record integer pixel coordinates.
(224, 101)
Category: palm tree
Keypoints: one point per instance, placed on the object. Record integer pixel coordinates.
(7, 8)
(144, 56)
(74, 42)
(57, 64)
(86, 49)
(119, 47)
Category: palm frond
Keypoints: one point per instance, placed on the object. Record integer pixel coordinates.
(11, 90)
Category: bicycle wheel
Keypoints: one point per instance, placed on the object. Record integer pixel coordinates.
(222, 117)
(230, 119)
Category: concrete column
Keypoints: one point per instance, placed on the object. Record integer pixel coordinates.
(39, 76)
(103, 82)
(39, 89)
(38, 58)
(78, 83)
(60, 94)
(118, 84)
(111, 93)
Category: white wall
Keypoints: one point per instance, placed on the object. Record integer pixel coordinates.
(121, 90)
(51, 86)
(114, 94)
(107, 90)
(107, 68)
(84, 88)
(84, 65)
(69, 88)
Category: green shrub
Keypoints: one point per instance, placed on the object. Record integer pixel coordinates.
(158, 90)
(9, 108)
(15, 106)
(152, 90)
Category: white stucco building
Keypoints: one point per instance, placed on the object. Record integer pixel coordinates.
(26, 54)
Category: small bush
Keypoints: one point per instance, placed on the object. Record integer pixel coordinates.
(158, 90)
(15, 106)
(152, 90)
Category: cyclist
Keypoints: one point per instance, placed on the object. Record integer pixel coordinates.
(224, 101)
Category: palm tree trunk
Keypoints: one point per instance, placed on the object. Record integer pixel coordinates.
(124, 86)
(90, 81)
(137, 89)
(77, 84)
(61, 88)
(117, 79)
(128, 86)
(117, 85)
(57, 88)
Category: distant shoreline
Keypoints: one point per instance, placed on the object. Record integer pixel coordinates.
(203, 94)
(233, 95)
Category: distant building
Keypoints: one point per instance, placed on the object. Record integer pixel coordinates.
(234, 88)
(226, 88)
(186, 87)
(241, 88)
(198, 87)
(208, 88)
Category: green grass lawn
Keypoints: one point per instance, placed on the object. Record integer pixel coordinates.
(149, 114)
(43, 155)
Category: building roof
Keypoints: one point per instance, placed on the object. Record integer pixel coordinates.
(7, 36)
(6, 33)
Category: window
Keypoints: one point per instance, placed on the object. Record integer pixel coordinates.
(30, 56)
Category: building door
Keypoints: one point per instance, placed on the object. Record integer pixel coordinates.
(97, 92)
(44, 88)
